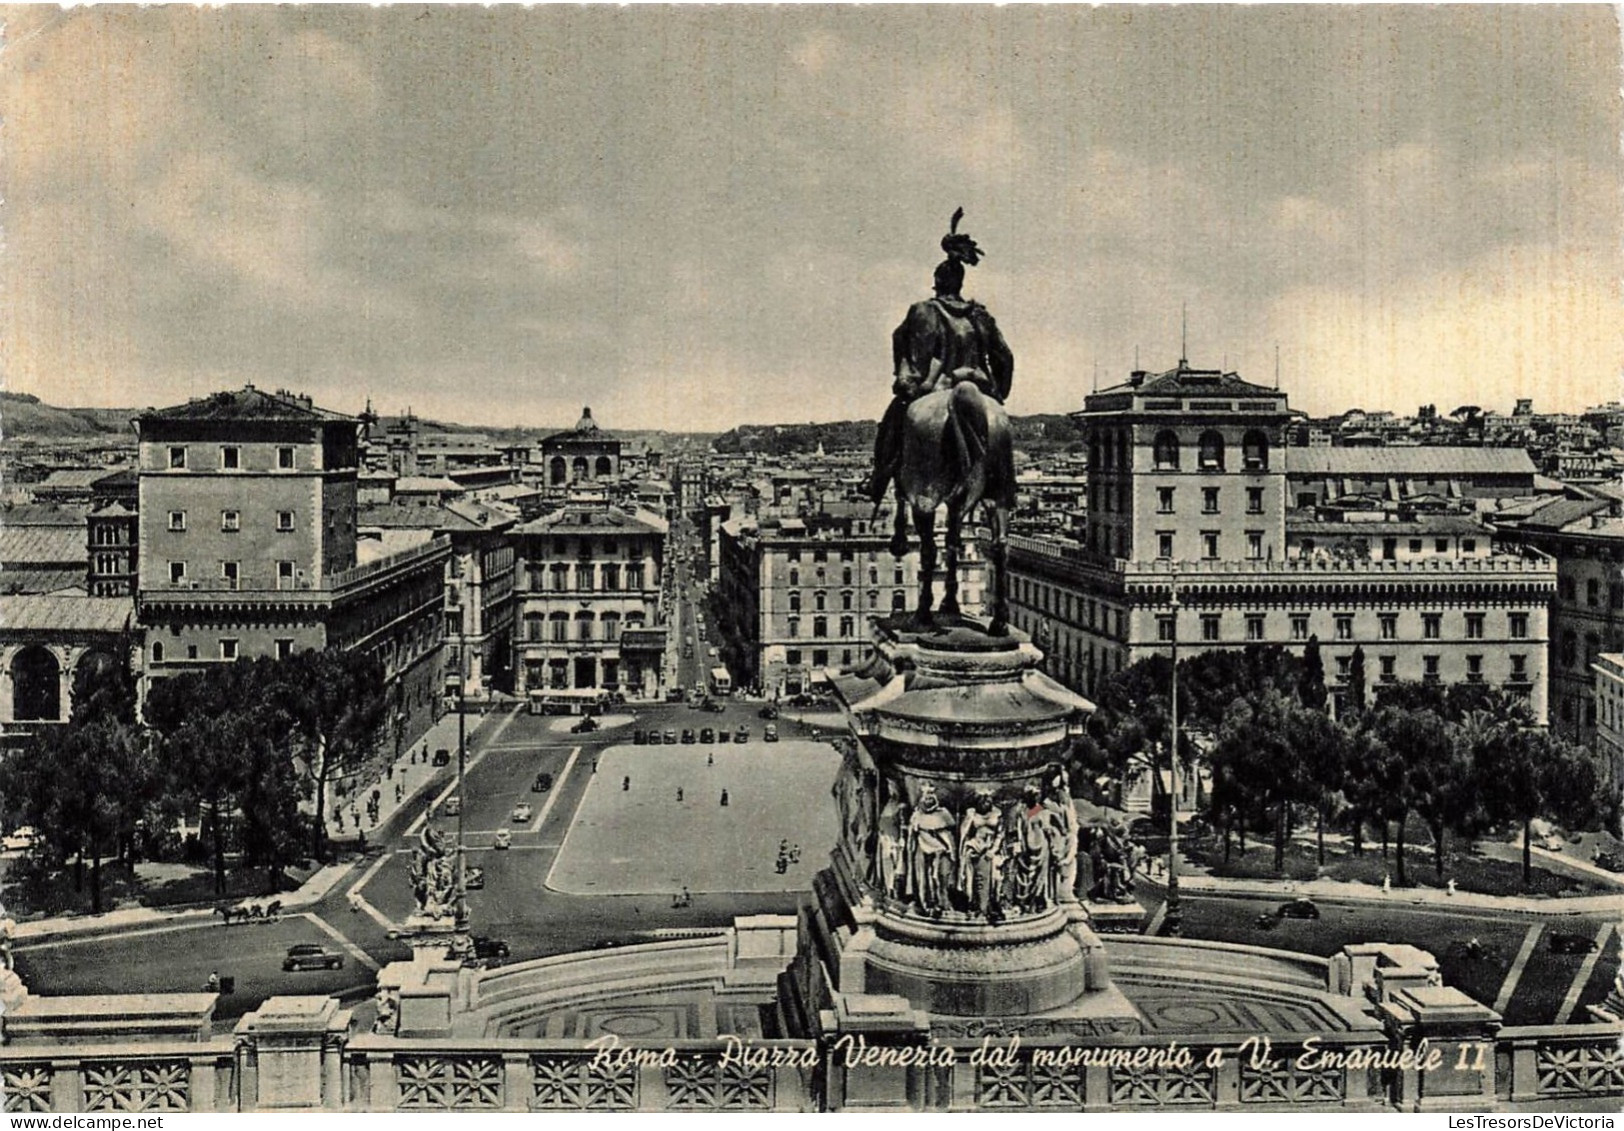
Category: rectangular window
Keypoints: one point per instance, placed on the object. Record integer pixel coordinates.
(1468, 545)
(820, 555)
(1441, 545)
(1389, 549)
(820, 626)
(228, 649)
(792, 627)
(284, 649)
(820, 657)
(1519, 667)
(1474, 669)
(1254, 545)
(794, 555)
(1389, 625)
(230, 458)
(1344, 665)
(1254, 500)
(1432, 625)
(1344, 626)
(1474, 626)
(1209, 627)
(177, 459)
(284, 575)
(1299, 626)
(177, 572)
(1429, 669)
(1209, 500)
(1164, 628)
(1254, 626)
(230, 521)
(792, 655)
(1592, 592)
(1388, 664)
(1164, 500)
(177, 520)
(228, 574)
(284, 521)
(1518, 625)
(284, 458)
(1164, 544)
(1209, 543)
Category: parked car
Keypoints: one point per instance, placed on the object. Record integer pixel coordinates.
(714, 706)
(654, 738)
(490, 952)
(544, 780)
(770, 711)
(19, 839)
(687, 651)
(1612, 861)
(1299, 909)
(312, 956)
(504, 839)
(676, 695)
(742, 735)
(452, 806)
(724, 735)
(640, 737)
(475, 878)
(1565, 942)
(670, 736)
(442, 757)
(522, 813)
(770, 732)
(587, 725)
(707, 734)
(688, 735)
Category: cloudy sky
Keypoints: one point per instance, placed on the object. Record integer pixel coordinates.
(708, 216)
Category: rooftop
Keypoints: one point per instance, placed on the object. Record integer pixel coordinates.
(247, 403)
(607, 518)
(1183, 380)
(63, 613)
(36, 545)
(1406, 462)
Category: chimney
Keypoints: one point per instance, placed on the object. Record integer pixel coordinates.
(1137, 378)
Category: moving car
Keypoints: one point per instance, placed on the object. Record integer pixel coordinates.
(453, 806)
(770, 711)
(1565, 942)
(742, 735)
(1299, 909)
(475, 879)
(522, 813)
(770, 732)
(587, 725)
(688, 735)
(490, 952)
(707, 734)
(19, 839)
(442, 757)
(312, 956)
(504, 839)
(713, 706)
(544, 780)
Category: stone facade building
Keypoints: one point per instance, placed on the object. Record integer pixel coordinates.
(248, 547)
(1189, 487)
(583, 454)
(798, 591)
(587, 595)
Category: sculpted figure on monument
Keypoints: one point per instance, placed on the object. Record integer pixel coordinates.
(980, 855)
(433, 873)
(945, 439)
(1031, 873)
(1062, 836)
(931, 855)
(891, 847)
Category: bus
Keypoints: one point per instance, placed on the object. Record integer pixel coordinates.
(721, 682)
(568, 700)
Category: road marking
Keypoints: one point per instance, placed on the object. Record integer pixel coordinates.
(359, 901)
(558, 787)
(1586, 968)
(422, 818)
(354, 951)
(1155, 923)
(1514, 975)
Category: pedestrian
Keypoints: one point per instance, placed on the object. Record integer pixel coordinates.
(1387, 883)
(679, 793)
(1449, 888)
(625, 783)
(687, 900)
(361, 837)
(212, 986)
(724, 799)
(391, 771)
(355, 901)
(710, 758)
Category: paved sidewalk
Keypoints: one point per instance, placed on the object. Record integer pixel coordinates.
(411, 774)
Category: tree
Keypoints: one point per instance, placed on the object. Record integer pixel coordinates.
(1311, 685)
(1531, 773)
(1260, 766)
(1323, 745)
(1421, 742)
(336, 701)
(1356, 679)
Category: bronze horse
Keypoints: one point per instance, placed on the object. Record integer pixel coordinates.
(958, 451)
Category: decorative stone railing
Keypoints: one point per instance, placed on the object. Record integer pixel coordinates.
(123, 1078)
(390, 1074)
(1566, 1063)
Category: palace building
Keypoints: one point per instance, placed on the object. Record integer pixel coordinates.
(1190, 492)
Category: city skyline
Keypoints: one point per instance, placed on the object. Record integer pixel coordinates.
(691, 219)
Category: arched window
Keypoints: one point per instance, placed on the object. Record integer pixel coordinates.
(1212, 451)
(578, 467)
(818, 600)
(604, 467)
(1167, 450)
(558, 471)
(36, 686)
(1255, 451)
(899, 601)
(157, 651)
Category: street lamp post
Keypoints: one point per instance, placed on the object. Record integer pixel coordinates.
(461, 944)
(1173, 920)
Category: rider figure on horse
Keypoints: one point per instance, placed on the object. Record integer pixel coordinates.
(943, 340)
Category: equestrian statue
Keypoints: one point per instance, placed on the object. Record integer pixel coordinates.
(945, 439)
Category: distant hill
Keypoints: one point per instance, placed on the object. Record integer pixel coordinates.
(23, 414)
(1040, 433)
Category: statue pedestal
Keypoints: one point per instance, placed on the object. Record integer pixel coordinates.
(949, 901)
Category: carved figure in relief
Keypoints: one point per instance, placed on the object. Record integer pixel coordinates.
(1030, 861)
(980, 855)
(931, 856)
(890, 851)
(433, 873)
(1062, 836)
